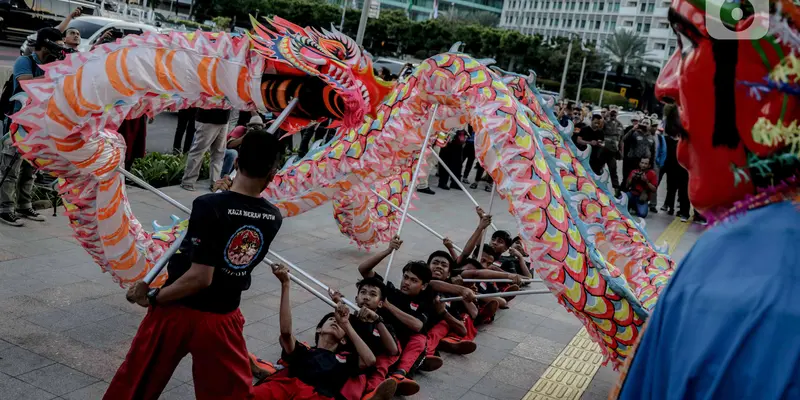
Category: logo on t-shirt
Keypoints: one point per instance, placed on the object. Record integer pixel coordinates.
(414, 306)
(243, 247)
(376, 333)
(341, 358)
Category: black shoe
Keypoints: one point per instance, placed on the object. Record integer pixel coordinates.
(700, 220)
(664, 208)
(670, 211)
(10, 219)
(474, 185)
(455, 186)
(443, 187)
(465, 181)
(487, 188)
(426, 190)
(30, 214)
(653, 210)
(683, 217)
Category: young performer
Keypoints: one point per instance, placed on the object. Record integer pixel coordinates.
(197, 310)
(317, 372)
(379, 337)
(451, 326)
(405, 310)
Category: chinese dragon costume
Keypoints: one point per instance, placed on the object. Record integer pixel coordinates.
(725, 326)
(593, 256)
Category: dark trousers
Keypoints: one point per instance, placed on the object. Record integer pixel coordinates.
(451, 155)
(468, 154)
(610, 159)
(185, 125)
(314, 134)
(677, 181)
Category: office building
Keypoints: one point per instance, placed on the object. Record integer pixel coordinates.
(594, 21)
(423, 9)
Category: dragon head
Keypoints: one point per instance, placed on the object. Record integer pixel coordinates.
(325, 70)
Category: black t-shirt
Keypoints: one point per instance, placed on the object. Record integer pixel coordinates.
(588, 134)
(230, 232)
(326, 371)
(369, 333)
(455, 308)
(417, 307)
(214, 116)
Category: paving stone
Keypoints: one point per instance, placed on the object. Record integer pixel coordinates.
(182, 392)
(13, 388)
(96, 335)
(93, 391)
(93, 310)
(57, 379)
(23, 305)
(500, 390)
(538, 349)
(475, 396)
(15, 361)
(518, 371)
(555, 331)
(57, 320)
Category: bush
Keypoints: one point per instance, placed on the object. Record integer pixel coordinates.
(609, 98)
(162, 170)
(548, 84)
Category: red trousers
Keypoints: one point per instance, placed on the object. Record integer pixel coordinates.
(356, 387)
(220, 365)
(286, 388)
(442, 330)
(412, 352)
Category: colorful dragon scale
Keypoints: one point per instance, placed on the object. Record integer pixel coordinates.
(70, 118)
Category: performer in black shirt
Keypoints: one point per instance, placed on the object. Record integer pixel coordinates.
(406, 310)
(317, 372)
(196, 312)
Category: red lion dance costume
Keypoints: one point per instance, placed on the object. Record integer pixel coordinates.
(726, 325)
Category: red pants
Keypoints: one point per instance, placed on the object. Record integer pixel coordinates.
(286, 388)
(412, 352)
(220, 365)
(356, 387)
(442, 330)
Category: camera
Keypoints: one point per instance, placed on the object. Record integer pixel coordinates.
(59, 52)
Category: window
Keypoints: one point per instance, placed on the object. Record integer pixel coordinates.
(646, 28)
(639, 27)
(602, 5)
(613, 25)
(643, 7)
(659, 46)
(583, 24)
(563, 23)
(597, 25)
(651, 8)
(606, 26)
(569, 24)
(671, 50)
(87, 29)
(572, 5)
(628, 23)
(594, 6)
(663, 25)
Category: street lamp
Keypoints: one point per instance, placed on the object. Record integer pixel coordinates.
(362, 24)
(603, 88)
(566, 67)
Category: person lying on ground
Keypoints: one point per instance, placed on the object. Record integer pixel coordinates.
(406, 309)
(317, 372)
(378, 335)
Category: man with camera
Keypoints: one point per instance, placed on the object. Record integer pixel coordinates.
(17, 186)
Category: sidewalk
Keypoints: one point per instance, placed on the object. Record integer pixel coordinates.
(65, 326)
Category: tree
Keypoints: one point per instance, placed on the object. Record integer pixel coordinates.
(626, 48)
(222, 23)
(483, 18)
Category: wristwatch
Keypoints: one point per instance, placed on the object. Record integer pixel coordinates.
(151, 296)
(379, 320)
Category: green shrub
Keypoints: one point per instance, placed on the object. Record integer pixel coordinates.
(548, 84)
(162, 170)
(609, 98)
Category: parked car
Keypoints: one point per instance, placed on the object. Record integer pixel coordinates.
(92, 28)
(23, 17)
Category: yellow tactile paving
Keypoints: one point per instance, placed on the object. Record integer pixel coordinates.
(571, 372)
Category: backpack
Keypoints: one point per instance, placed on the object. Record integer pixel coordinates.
(6, 105)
